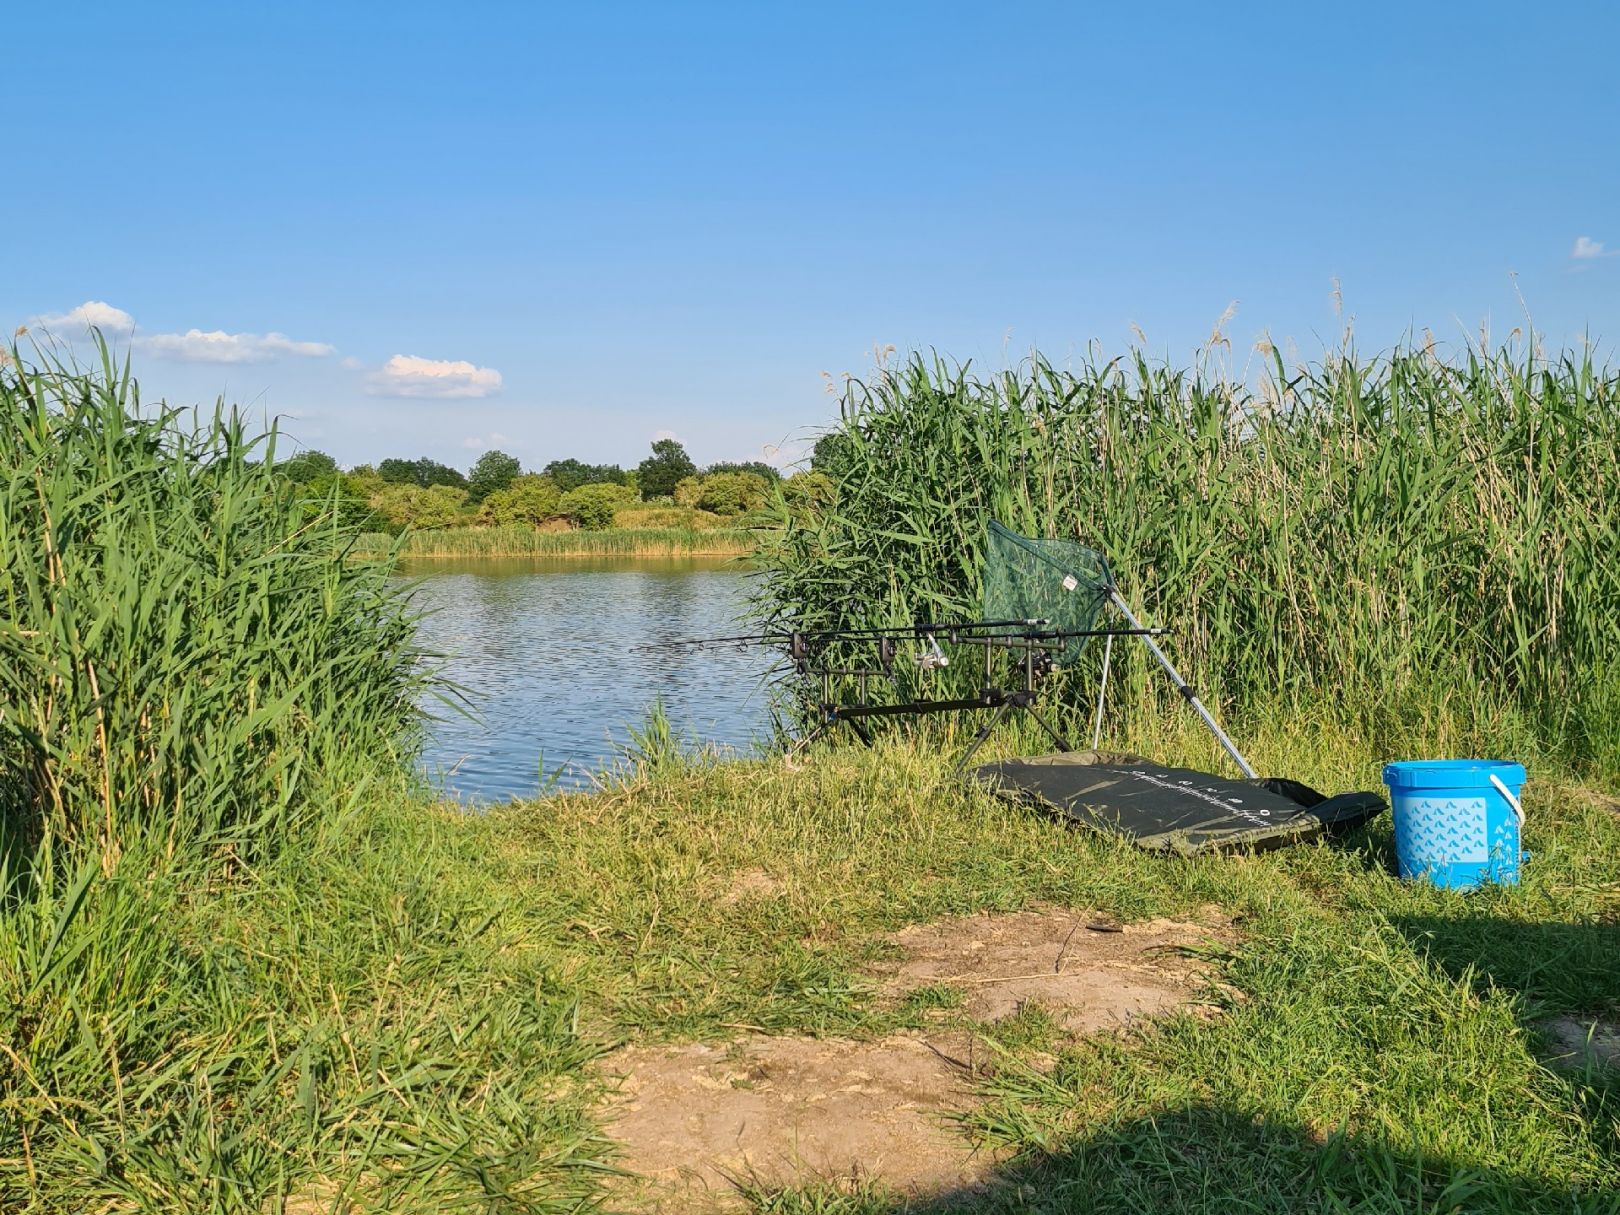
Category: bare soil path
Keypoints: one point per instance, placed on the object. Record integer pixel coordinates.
(695, 1119)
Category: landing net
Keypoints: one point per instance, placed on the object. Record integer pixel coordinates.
(1059, 581)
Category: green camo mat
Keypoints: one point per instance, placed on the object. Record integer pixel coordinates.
(1175, 810)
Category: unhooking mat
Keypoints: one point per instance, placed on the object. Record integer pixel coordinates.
(1177, 810)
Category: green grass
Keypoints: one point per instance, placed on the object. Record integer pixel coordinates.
(401, 1007)
(1383, 1047)
(529, 542)
(361, 1019)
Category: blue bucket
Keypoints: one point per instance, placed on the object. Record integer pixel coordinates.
(1457, 821)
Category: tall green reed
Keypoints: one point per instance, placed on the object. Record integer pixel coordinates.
(193, 663)
(183, 650)
(1419, 547)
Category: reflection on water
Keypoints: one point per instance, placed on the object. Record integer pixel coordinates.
(548, 650)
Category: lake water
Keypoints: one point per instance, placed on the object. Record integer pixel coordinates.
(548, 650)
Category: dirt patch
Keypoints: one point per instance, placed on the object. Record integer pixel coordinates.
(750, 884)
(1581, 1042)
(695, 1119)
(1088, 971)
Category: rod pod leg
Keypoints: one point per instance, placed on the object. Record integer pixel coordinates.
(980, 735)
(1062, 743)
(802, 743)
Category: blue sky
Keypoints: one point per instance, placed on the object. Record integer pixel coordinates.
(562, 230)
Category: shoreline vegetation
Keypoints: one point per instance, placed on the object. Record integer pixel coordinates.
(246, 965)
(472, 543)
(666, 491)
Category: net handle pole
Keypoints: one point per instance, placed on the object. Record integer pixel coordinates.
(1102, 692)
(1182, 685)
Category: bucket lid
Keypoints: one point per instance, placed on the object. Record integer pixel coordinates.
(1451, 773)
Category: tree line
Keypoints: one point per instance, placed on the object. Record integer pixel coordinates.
(425, 493)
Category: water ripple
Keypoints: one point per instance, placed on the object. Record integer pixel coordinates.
(548, 652)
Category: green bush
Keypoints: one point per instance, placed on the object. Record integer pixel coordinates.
(424, 509)
(337, 494)
(593, 506)
(687, 492)
(723, 493)
(529, 501)
(733, 493)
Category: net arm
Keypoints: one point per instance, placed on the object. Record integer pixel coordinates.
(1183, 686)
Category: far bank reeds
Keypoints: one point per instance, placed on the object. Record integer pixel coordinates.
(531, 542)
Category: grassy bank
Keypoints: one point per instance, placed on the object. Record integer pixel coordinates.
(400, 1013)
(529, 542)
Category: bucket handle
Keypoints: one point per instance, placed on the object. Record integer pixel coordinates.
(1508, 793)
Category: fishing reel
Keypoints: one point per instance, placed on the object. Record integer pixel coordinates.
(932, 658)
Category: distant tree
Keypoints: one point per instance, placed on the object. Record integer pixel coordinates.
(395, 471)
(660, 473)
(733, 493)
(529, 501)
(758, 467)
(687, 491)
(494, 470)
(593, 506)
(832, 454)
(363, 479)
(421, 507)
(431, 473)
(423, 472)
(308, 465)
(571, 474)
(336, 492)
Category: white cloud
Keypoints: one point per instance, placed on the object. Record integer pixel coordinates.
(406, 375)
(217, 346)
(192, 346)
(1586, 249)
(96, 313)
(660, 435)
(350, 363)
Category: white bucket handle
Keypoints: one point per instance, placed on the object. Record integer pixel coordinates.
(1508, 793)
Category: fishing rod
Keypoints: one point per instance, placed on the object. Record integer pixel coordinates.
(895, 630)
(1023, 575)
(974, 630)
